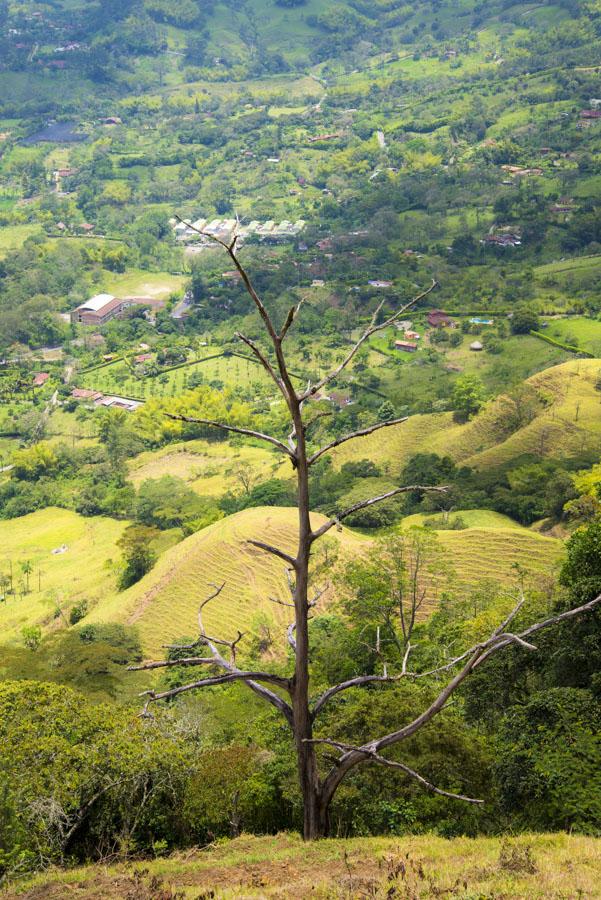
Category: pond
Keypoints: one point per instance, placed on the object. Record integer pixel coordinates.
(56, 133)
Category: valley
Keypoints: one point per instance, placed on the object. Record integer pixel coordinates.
(233, 236)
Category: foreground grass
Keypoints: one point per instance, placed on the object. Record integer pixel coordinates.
(531, 866)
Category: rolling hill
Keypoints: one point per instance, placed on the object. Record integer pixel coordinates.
(566, 422)
(164, 604)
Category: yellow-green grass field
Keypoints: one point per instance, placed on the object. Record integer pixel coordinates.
(579, 331)
(137, 283)
(12, 237)
(528, 867)
(471, 518)
(209, 468)
(569, 423)
(84, 571)
(164, 604)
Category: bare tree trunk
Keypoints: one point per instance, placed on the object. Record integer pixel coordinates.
(314, 826)
(297, 707)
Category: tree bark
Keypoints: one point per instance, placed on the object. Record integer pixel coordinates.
(314, 822)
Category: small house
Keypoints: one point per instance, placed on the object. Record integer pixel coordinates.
(40, 379)
(437, 318)
(412, 335)
(379, 283)
(405, 346)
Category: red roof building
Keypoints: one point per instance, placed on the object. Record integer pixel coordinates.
(40, 379)
(439, 319)
(405, 346)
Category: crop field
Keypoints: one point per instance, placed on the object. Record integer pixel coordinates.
(283, 866)
(210, 468)
(232, 371)
(83, 571)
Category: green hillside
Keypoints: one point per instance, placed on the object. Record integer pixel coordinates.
(567, 421)
(83, 569)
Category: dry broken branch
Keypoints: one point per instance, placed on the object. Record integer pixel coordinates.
(350, 437)
(236, 429)
(365, 504)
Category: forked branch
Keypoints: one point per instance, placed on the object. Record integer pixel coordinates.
(351, 437)
(365, 504)
(372, 757)
(248, 432)
(373, 328)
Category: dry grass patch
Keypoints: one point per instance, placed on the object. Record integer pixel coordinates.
(530, 867)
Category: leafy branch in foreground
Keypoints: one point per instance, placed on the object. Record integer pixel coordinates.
(291, 696)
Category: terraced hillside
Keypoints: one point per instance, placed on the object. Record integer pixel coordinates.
(164, 604)
(567, 421)
(209, 468)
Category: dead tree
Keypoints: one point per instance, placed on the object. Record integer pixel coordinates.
(291, 695)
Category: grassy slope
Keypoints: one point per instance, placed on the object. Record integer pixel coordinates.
(283, 866)
(570, 423)
(209, 468)
(83, 572)
(164, 604)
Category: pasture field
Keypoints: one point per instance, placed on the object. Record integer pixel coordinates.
(409, 376)
(283, 866)
(578, 330)
(164, 604)
(138, 283)
(209, 467)
(84, 571)
(12, 237)
(471, 518)
(569, 423)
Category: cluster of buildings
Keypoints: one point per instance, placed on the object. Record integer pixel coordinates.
(98, 399)
(591, 116)
(102, 308)
(225, 228)
(503, 238)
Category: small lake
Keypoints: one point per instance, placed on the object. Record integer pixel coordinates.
(56, 133)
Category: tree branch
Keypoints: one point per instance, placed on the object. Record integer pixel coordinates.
(370, 330)
(275, 551)
(292, 314)
(262, 359)
(237, 430)
(359, 681)
(350, 437)
(474, 657)
(391, 764)
(364, 504)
